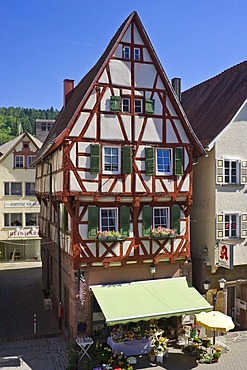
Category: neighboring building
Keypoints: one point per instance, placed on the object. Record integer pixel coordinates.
(217, 110)
(119, 158)
(19, 208)
(42, 128)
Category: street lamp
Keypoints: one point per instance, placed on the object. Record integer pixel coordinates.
(222, 283)
(206, 284)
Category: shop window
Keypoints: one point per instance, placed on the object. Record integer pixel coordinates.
(19, 161)
(30, 188)
(12, 188)
(12, 219)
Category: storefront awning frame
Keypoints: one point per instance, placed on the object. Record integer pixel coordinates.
(150, 299)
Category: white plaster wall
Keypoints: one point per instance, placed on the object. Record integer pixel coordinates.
(154, 126)
(170, 133)
(91, 130)
(91, 101)
(110, 127)
(137, 37)
(120, 72)
(79, 124)
(181, 131)
(144, 75)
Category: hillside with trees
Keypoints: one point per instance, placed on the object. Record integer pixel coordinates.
(14, 121)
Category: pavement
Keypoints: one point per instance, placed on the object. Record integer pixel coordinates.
(22, 349)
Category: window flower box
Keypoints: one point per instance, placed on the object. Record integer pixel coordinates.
(109, 236)
(163, 233)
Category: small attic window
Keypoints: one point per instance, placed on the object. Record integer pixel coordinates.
(25, 145)
(126, 52)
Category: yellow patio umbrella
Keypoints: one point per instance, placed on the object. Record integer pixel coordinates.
(215, 320)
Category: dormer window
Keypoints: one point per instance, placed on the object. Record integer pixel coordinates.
(126, 52)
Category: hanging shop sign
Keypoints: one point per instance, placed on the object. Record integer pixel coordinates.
(225, 258)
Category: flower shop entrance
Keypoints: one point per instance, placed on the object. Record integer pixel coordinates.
(146, 300)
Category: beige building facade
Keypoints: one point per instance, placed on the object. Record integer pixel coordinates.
(19, 208)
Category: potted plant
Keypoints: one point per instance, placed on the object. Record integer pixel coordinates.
(216, 356)
(152, 354)
(109, 235)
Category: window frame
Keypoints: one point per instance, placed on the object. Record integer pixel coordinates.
(26, 193)
(167, 215)
(10, 184)
(230, 222)
(126, 55)
(230, 175)
(22, 157)
(126, 105)
(167, 173)
(28, 160)
(10, 221)
(103, 228)
(110, 172)
(36, 216)
(141, 106)
(139, 54)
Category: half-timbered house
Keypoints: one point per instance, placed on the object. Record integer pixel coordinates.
(116, 166)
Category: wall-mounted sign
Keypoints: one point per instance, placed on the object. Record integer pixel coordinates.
(24, 233)
(21, 204)
(225, 257)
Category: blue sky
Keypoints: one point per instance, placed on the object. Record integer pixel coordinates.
(45, 41)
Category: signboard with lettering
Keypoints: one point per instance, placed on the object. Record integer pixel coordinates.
(24, 233)
(21, 203)
(225, 258)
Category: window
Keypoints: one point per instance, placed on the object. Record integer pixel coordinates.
(164, 161)
(30, 188)
(19, 161)
(136, 53)
(12, 219)
(43, 126)
(30, 159)
(126, 52)
(160, 217)
(228, 225)
(108, 219)
(138, 105)
(126, 105)
(228, 171)
(31, 219)
(111, 160)
(12, 188)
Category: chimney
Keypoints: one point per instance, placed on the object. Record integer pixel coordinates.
(68, 88)
(176, 84)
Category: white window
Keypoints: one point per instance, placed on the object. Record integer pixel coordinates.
(228, 225)
(126, 105)
(161, 217)
(108, 219)
(12, 219)
(31, 219)
(19, 161)
(111, 160)
(136, 53)
(30, 188)
(126, 52)
(164, 161)
(30, 159)
(12, 188)
(228, 171)
(138, 105)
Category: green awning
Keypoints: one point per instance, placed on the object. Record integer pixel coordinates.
(150, 299)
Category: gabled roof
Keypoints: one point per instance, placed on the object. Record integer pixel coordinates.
(69, 113)
(7, 147)
(211, 105)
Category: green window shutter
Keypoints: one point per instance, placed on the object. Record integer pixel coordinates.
(115, 103)
(125, 221)
(64, 218)
(93, 220)
(178, 161)
(126, 160)
(95, 159)
(219, 171)
(149, 106)
(146, 221)
(243, 172)
(176, 218)
(243, 225)
(149, 161)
